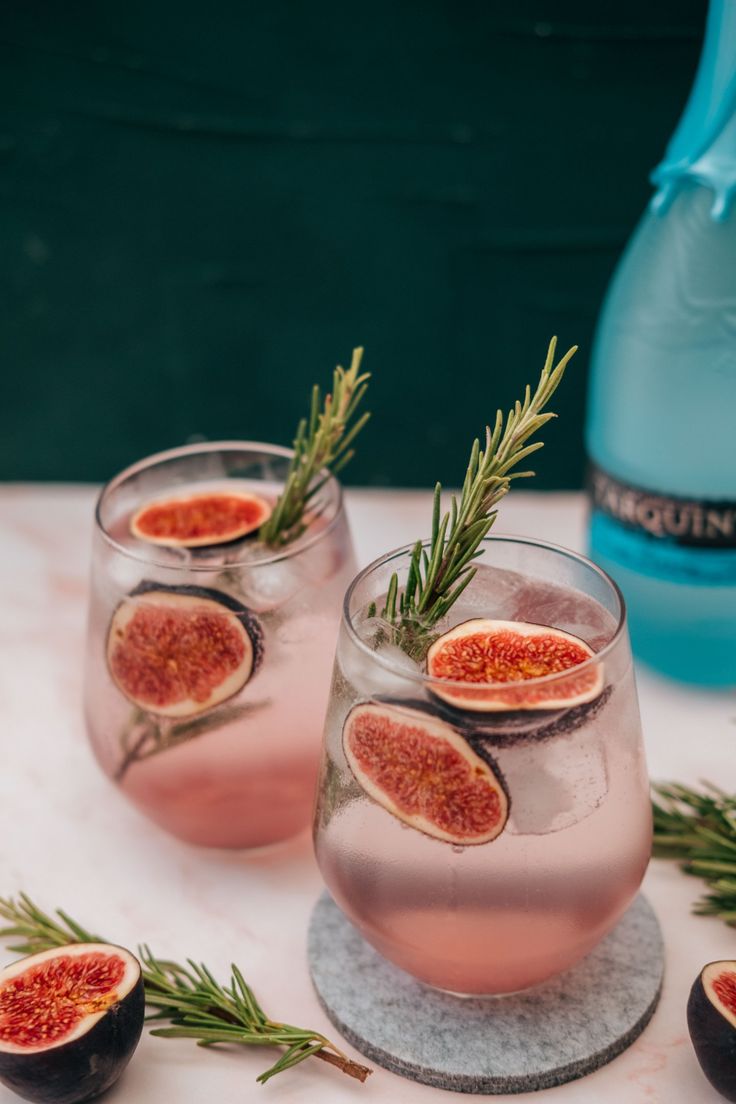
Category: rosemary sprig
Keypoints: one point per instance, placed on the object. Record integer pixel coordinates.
(188, 997)
(699, 830)
(436, 578)
(322, 441)
(145, 736)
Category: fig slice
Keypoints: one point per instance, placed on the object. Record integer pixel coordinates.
(482, 651)
(70, 1019)
(179, 651)
(201, 518)
(711, 1021)
(423, 771)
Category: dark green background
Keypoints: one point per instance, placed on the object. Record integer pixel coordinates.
(204, 206)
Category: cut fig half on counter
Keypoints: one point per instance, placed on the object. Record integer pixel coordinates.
(70, 1020)
(711, 1021)
(179, 651)
(509, 654)
(200, 519)
(424, 772)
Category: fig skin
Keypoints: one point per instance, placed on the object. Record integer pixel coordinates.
(510, 728)
(533, 726)
(476, 704)
(82, 1069)
(712, 1033)
(248, 620)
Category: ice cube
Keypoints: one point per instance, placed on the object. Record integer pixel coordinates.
(266, 586)
(382, 670)
(122, 574)
(397, 658)
(554, 783)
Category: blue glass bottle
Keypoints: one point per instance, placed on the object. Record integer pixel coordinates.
(661, 431)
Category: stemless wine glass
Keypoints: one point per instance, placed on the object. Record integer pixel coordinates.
(481, 850)
(208, 668)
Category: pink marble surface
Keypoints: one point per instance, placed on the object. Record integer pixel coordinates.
(68, 838)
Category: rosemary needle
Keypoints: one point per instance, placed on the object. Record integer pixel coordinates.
(698, 828)
(438, 575)
(188, 998)
(323, 441)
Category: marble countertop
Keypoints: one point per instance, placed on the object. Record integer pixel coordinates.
(68, 838)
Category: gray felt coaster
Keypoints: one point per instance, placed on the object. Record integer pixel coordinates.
(562, 1030)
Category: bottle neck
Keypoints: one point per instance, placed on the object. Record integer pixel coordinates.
(703, 147)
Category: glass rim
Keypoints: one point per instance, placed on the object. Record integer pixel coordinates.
(424, 679)
(302, 544)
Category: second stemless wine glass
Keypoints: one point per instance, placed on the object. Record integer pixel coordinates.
(484, 851)
(208, 668)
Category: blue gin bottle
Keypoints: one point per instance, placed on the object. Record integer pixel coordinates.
(661, 430)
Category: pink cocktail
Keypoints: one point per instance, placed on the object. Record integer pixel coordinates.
(231, 759)
(497, 905)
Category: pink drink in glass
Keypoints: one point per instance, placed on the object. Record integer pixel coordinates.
(242, 773)
(505, 915)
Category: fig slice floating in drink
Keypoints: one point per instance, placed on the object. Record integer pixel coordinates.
(179, 651)
(479, 652)
(711, 1021)
(201, 518)
(70, 1019)
(423, 771)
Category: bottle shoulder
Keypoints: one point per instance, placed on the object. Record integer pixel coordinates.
(662, 385)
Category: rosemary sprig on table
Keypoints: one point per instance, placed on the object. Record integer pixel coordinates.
(699, 829)
(436, 578)
(188, 997)
(322, 441)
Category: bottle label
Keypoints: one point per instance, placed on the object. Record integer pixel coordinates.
(695, 523)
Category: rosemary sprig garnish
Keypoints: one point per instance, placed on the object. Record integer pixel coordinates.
(322, 441)
(188, 997)
(436, 578)
(699, 830)
(145, 735)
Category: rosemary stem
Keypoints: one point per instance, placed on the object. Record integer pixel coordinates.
(132, 754)
(347, 1065)
(187, 997)
(437, 578)
(322, 442)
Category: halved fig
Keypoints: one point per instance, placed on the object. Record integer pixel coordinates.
(422, 770)
(711, 1021)
(512, 652)
(200, 518)
(70, 1019)
(179, 651)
